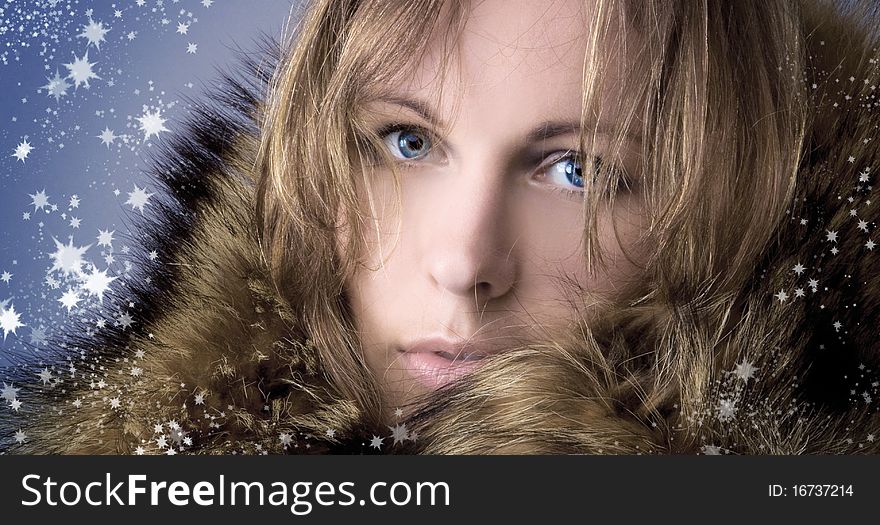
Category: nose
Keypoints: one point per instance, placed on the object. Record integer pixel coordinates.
(470, 252)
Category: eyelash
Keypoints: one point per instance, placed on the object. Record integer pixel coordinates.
(555, 158)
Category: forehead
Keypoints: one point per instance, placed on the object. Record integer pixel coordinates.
(526, 55)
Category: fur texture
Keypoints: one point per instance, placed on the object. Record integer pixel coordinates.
(214, 362)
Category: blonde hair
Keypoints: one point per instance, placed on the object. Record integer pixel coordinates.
(716, 90)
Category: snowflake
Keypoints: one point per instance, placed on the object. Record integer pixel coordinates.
(9, 319)
(68, 258)
(81, 71)
(40, 200)
(70, 299)
(107, 137)
(138, 198)
(152, 124)
(38, 336)
(726, 409)
(105, 238)
(23, 150)
(94, 32)
(9, 392)
(399, 433)
(45, 376)
(745, 370)
(57, 86)
(125, 320)
(97, 282)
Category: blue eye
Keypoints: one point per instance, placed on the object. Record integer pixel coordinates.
(407, 144)
(567, 172)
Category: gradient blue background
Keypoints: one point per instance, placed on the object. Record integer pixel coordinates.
(154, 70)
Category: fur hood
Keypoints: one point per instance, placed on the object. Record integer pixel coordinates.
(211, 360)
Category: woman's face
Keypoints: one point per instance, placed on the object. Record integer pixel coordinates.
(491, 193)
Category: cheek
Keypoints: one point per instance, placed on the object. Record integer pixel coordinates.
(552, 245)
(370, 286)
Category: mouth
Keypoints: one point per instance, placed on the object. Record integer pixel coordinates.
(462, 356)
(436, 362)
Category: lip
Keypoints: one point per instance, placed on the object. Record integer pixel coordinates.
(436, 361)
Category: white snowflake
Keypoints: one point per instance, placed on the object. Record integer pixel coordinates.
(399, 433)
(45, 376)
(726, 409)
(107, 136)
(38, 336)
(105, 238)
(9, 392)
(152, 123)
(70, 299)
(745, 370)
(40, 200)
(81, 71)
(125, 320)
(23, 149)
(138, 198)
(68, 258)
(94, 32)
(9, 320)
(97, 282)
(57, 86)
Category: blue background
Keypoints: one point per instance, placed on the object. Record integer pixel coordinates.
(144, 66)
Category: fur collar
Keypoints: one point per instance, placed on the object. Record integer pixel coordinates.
(212, 362)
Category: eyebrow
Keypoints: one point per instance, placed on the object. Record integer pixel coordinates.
(544, 131)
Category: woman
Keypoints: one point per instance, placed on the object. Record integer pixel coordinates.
(452, 227)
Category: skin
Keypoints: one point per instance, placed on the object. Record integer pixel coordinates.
(487, 231)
